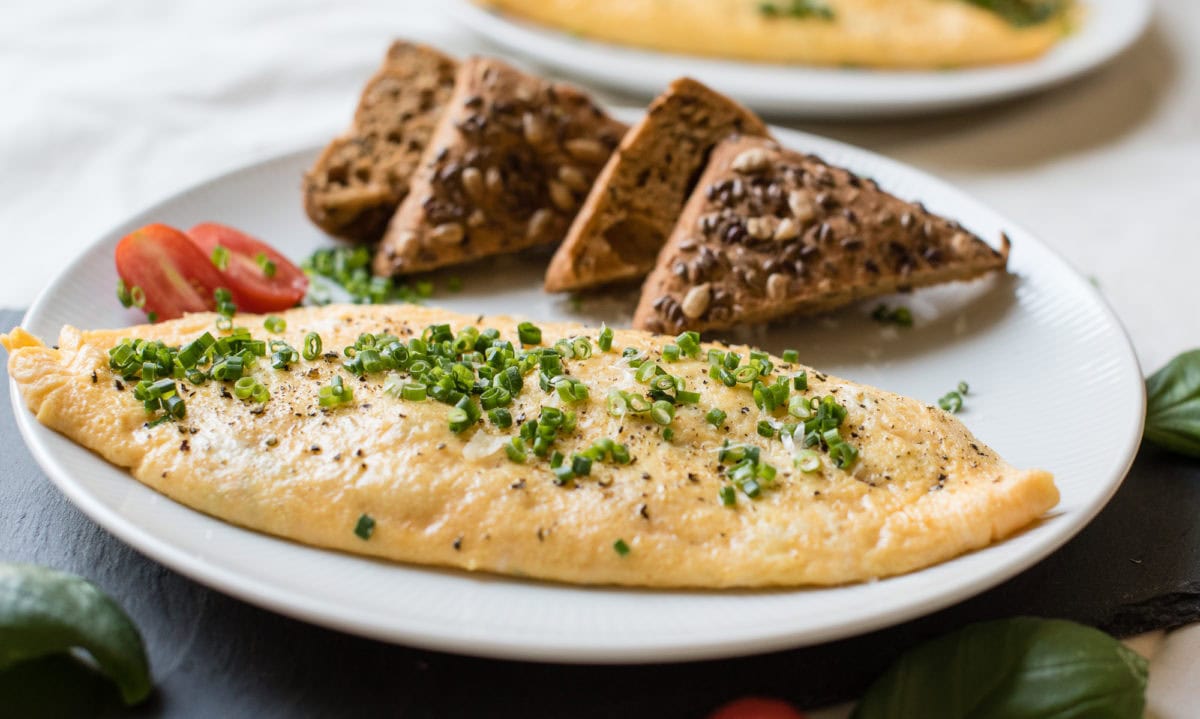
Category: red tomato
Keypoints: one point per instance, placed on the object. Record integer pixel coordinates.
(175, 275)
(756, 708)
(252, 289)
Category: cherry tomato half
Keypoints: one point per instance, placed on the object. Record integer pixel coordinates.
(259, 278)
(756, 708)
(173, 274)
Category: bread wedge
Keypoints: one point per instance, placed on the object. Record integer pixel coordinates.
(770, 232)
(354, 187)
(507, 168)
(639, 195)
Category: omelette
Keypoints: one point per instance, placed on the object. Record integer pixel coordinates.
(867, 33)
(553, 451)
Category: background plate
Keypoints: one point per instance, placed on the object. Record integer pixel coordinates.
(1054, 384)
(1109, 27)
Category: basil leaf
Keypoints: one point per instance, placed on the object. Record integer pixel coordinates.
(44, 612)
(1021, 668)
(1022, 13)
(1173, 405)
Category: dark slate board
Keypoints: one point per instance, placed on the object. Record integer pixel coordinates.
(1135, 568)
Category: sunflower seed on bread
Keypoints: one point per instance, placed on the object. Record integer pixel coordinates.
(637, 198)
(507, 168)
(354, 187)
(770, 232)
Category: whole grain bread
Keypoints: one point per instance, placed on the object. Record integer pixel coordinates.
(770, 232)
(356, 184)
(639, 195)
(506, 169)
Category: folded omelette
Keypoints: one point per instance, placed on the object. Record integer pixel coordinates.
(554, 451)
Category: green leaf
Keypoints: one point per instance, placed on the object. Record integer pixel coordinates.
(1023, 668)
(1173, 405)
(44, 612)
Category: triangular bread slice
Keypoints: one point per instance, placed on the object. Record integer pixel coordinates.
(770, 232)
(354, 187)
(634, 204)
(507, 168)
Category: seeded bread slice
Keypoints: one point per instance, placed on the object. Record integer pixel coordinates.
(356, 184)
(639, 195)
(770, 232)
(506, 169)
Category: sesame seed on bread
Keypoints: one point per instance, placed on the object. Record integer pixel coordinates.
(770, 232)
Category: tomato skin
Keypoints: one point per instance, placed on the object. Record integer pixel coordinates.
(252, 290)
(175, 275)
(756, 708)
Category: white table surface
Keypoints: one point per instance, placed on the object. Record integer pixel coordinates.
(113, 104)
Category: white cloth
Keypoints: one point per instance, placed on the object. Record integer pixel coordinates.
(113, 104)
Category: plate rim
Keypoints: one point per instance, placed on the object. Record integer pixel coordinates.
(544, 648)
(865, 95)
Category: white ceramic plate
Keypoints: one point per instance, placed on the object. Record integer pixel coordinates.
(1109, 27)
(1054, 384)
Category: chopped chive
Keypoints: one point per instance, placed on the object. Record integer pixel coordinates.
(684, 396)
(689, 343)
(275, 324)
(670, 353)
(952, 402)
(312, 346)
(414, 392)
(728, 496)
(123, 294)
(515, 449)
(137, 296)
(662, 412)
(808, 460)
(963, 387)
(668, 434)
(364, 527)
(529, 334)
(791, 356)
(500, 417)
(715, 417)
(605, 339)
(563, 474)
(265, 264)
(752, 489)
(800, 381)
(765, 429)
(220, 258)
(581, 465)
(620, 547)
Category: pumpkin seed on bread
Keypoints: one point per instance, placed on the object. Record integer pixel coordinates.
(634, 204)
(358, 181)
(770, 232)
(507, 168)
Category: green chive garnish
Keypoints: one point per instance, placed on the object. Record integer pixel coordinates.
(808, 461)
(312, 346)
(668, 434)
(715, 417)
(791, 356)
(728, 496)
(529, 334)
(500, 417)
(265, 264)
(963, 387)
(123, 294)
(765, 429)
(621, 547)
(952, 402)
(364, 527)
(414, 392)
(275, 324)
(605, 339)
(670, 353)
(220, 257)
